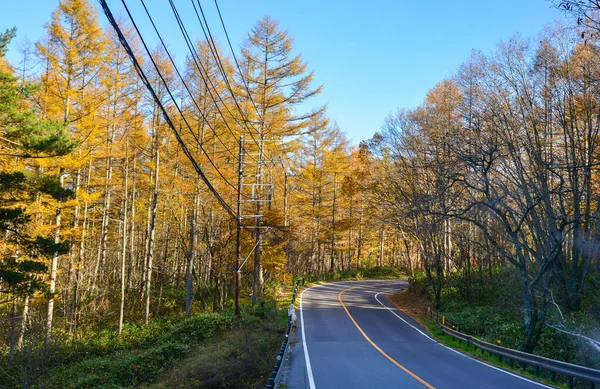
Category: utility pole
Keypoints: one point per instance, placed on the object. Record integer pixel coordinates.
(261, 191)
(238, 250)
(257, 279)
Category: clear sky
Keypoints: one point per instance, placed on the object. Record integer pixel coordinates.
(372, 56)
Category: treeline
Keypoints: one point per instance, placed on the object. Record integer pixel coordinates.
(104, 221)
(497, 173)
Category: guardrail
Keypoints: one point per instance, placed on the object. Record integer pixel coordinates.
(274, 379)
(592, 376)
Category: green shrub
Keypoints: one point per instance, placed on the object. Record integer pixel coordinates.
(494, 312)
(419, 284)
(138, 356)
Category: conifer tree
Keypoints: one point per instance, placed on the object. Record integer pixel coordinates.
(24, 141)
(72, 52)
(275, 82)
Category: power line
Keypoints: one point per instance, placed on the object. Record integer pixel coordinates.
(216, 54)
(237, 64)
(211, 44)
(146, 82)
(203, 72)
(184, 83)
(170, 93)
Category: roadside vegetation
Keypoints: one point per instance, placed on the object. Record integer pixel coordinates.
(372, 273)
(210, 350)
(492, 314)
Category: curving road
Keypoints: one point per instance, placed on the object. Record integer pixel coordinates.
(351, 336)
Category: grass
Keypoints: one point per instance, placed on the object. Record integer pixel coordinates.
(242, 358)
(213, 350)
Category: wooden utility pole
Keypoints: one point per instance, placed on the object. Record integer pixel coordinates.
(238, 249)
(257, 279)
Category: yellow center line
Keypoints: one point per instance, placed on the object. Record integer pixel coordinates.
(413, 375)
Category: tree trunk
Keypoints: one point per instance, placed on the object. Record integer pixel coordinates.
(151, 234)
(332, 264)
(285, 199)
(23, 323)
(81, 253)
(448, 245)
(53, 270)
(132, 252)
(381, 244)
(360, 230)
(191, 257)
(13, 329)
(408, 258)
(71, 270)
(163, 266)
(105, 219)
(350, 235)
(144, 260)
(124, 241)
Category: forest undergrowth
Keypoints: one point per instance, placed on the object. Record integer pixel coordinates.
(207, 350)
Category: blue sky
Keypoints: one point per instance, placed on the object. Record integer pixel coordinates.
(372, 56)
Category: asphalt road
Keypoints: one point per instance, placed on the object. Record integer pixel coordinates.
(351, 336)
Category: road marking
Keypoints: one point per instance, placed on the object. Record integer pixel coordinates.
(463, 354)
(395, 314)
(311, 379)
(497, 368)
(413, 375)
(309, 373)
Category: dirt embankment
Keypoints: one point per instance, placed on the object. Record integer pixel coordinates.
(417, 306)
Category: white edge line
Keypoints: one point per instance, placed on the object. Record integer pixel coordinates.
(311, 379)
(497, 368)
(456, 351)
(395, 314)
